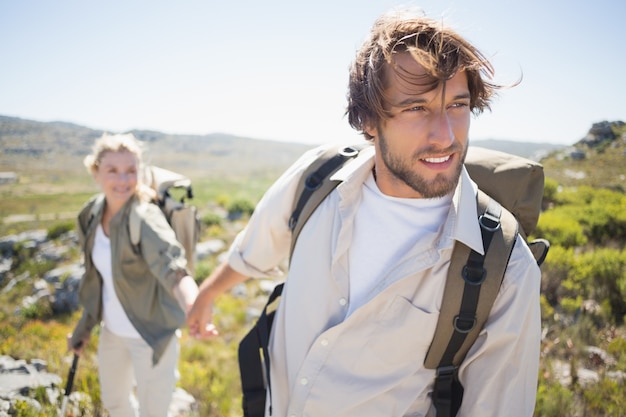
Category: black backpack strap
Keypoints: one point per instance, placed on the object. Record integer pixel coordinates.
(470, 291)
(254, 360)
(539, 248)
(316, 184)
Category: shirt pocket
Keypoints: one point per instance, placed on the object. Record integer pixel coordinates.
(402, 336)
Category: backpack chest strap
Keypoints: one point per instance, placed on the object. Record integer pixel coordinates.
(470, 291)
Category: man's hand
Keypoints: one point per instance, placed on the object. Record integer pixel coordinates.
(200, 319)
(200, 316)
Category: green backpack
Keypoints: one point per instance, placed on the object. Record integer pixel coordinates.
(510, 195)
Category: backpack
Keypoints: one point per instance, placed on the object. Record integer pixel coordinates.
(182, 217)
(510, 196)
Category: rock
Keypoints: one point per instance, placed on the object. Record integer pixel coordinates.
(598, 357)
(66, 280)
(208, 248)
(18, 379)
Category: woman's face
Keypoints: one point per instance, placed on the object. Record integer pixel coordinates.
(117, 176)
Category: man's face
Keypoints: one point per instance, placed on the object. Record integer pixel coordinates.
(420, 149)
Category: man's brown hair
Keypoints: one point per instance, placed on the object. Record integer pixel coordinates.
(438, 49)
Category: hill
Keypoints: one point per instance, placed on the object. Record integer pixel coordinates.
(597, 160)
(531, 150)
(58, 147)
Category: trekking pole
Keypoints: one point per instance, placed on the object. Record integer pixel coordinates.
(68, 385)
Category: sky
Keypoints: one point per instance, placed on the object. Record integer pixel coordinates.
(278, 69)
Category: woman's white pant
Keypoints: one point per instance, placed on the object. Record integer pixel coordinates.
(125, 367)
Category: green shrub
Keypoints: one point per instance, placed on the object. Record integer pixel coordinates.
(38, 310)
(603, 272)
(556, 270)
(561, 228)
(240, 206)
(617, 348)
(606, 398)
(222, 200)
(58, 229)
(547, 311)
(599, 213)
(23, 408)
(584, 332)
(204, 269)
(604, 218)
(553, 400)
(212, 219)
(570, 305)
(550, 190)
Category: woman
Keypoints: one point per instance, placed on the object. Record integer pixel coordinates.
(139, 294)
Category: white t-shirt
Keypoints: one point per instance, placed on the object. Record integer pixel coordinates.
(385, 229)
(115, 318)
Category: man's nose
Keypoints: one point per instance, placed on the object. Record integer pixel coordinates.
(441, 131)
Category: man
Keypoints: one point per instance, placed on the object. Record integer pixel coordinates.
(366, 278)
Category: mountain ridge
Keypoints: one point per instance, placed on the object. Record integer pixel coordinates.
(60, 145)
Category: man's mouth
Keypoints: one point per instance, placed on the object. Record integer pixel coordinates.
(437, 160)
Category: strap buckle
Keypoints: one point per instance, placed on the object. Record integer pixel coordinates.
(489, 222)
(446, 371)
(464, 324)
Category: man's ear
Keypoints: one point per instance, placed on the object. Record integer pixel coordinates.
(371, 130)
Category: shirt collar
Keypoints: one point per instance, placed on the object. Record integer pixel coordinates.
(461, 223)
(463, 217)
(358, 169)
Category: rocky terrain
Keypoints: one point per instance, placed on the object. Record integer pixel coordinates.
(56, 290)
(596, 159)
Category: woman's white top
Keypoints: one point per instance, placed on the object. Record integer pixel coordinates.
(114, 316)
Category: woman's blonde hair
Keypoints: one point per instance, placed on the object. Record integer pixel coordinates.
(121, 142)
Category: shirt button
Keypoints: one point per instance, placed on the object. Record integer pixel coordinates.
(343, 301)
(324, 342)
(304, 381)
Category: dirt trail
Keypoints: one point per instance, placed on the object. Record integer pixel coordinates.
(19, 218)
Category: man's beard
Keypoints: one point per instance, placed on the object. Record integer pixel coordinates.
(402, 169)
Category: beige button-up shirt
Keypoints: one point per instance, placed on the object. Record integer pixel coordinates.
(370, 363)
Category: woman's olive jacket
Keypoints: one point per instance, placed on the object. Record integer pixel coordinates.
(144, 275)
